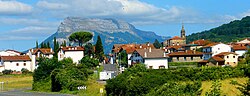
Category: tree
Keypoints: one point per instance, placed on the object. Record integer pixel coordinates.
(99, 49)
(87, 62)
(64, 43)
(80, 37)
(88, 50)
(36, 45)
(123, 56)
(157, 44)
(56, 47)
(215, 89)
(48, 45)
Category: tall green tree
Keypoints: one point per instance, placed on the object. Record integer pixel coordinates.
(48, 45)
(99, 49)
(80, 37)
(36, 44)
(56, 47)
(89, 50)
(157, 44)
(123, 56)
(64, 43)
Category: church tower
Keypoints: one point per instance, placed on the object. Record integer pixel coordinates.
(183, 35)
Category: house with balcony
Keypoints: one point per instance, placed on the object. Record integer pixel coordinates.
(213, 49)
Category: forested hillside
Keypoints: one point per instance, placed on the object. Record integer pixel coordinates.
(233, 31)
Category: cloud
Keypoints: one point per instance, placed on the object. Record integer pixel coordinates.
(51, 6)
(27, 22)
(247, 13)
(14, 8)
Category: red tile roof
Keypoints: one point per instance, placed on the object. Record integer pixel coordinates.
(210, 45)
(201, 42)
(43, 50)
(225, 53)
(239, 47)
(217, 58)
(70, 48)
(176, 38)
(16, 58)
(186, 53)
(130, 48)
(14, 51)
(175, 47)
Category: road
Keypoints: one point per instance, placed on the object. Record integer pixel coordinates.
(23, 93)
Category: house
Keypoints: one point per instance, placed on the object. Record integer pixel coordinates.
(10, 53)
(196, 44)
(41, 52)
(175, 48)
(16, 63)
(239, 49)
(129, 49)
(176, 40)
(109, 71)
(75, 53)
(186, 56)
(152, 58)
(224, 58)
(245, 41)
(215, 48)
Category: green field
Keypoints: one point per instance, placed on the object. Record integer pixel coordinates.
(16, 82)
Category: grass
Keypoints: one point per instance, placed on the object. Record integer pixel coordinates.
(16, 82)
(226, 88)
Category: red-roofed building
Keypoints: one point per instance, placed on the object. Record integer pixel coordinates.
(176, 40)
(75, 53)
(213, 49)
(186, 56)
(239, 49)
(16, 63)
(224, 58)
(41, 52)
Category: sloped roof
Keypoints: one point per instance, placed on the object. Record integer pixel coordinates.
(239, 47)
(211, 44)
(225, 53)
(155, 53)
(14, 51)
(217, 58)
(175, 47)
(176, 38)
(201, 42)
(130, 48)
(16, 58)
(186, 53)
(70, 48)
(43, 50)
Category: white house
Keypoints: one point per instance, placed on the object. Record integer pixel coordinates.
(239, 49)
(224, 58)
(41, 52)
(109, 71)
(153, 58)
(10, 53)
(75, 53)
(214, 49)
(16, 63)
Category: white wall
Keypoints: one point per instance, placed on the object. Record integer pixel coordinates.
(12, 65)
(76, 56)
(106, 75)
(220, 48)
(156, 62)
(231, 59)
(129, 61)
(240, 52)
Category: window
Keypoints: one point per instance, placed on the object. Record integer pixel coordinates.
(161, 67)
(200, 57)
(10, 61)
(177, 58)
(227, 56)
(24, 61)
(227, 62)
(24, 64)
(234, 62)
(192, 58)
(233, 56)
(185, 58)
(218, 48)
(17, 64)
(150, 67)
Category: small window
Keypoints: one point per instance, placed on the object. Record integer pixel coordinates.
(227, 56)
(227, 62)
(177, 58)
(24, 64)
(234, 62)
(233, 56)
(24, 61)
(218, 48)
(150, 67)
(17, 64)
(192, 58)
(185, 58)
(10, 61)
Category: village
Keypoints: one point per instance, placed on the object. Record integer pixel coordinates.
(171, 54)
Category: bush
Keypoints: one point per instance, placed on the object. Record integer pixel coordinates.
(6, 71)
(25, 71)
(138, 80)
(88, 62)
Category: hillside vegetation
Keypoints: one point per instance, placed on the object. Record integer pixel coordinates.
(233, 31)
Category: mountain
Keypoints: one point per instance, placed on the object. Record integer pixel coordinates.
(111, 31)
(233, 31)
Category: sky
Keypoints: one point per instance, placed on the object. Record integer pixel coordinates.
(23, 22)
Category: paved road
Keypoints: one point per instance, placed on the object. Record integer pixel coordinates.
(22, 93)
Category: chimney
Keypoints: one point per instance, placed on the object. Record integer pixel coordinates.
(145, 54)
(148, 43)
(50, 49)
(164, 54)
(150, 49)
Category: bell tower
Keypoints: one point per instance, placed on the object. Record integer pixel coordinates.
(183, 33)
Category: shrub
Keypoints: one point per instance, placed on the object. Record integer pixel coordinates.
(6, 71)
(25, 71)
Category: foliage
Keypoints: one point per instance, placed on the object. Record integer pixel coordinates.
(157, 44)
(64, 43)
(80, 37)
(177, 89)
(87, 62)
(37, 45)
(45, 45)
(123, 59)
(139, 80)
(25, 71)
(233, 31)
(181, 63)
(6, 71)
(56, 47)
(215, 89)
(88, 50)
(99, 49)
